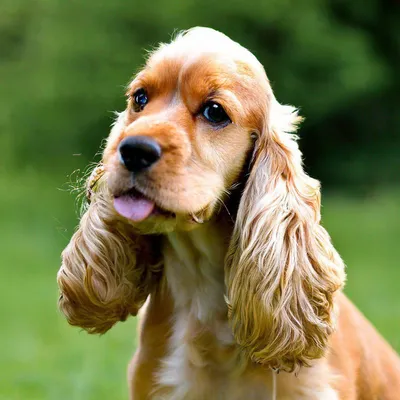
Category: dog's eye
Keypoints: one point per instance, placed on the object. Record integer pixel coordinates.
(140, 99)
(215, 113)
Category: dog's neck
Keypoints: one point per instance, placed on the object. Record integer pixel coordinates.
(194, 267)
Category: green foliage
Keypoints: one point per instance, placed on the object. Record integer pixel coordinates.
(65, 63)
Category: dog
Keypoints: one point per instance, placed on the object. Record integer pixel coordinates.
(202, 217)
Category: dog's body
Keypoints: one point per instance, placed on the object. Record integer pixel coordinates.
(191, 353)
(204, 210)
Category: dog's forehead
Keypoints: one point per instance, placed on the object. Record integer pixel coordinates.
(205, 45)
(203, 63)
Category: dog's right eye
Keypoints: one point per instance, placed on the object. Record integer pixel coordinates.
(140, 99)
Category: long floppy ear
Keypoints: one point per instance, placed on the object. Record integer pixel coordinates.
(107, 270)
(282, 271)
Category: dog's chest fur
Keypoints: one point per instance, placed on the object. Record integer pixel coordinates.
(203, 361)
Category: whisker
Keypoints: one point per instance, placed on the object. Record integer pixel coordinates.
(221, 201)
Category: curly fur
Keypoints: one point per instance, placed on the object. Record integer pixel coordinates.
(107, 269)
(282, 270)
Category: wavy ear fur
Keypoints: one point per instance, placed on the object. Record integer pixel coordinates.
(107, 270)
(282, 271)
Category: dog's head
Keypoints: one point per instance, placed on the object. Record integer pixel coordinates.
(199, 114)
(192, 116)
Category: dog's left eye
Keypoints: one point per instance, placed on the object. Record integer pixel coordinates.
(215, 113)
(140, 99)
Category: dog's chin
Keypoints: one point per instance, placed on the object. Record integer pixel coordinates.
(148, 217)
(142, 212)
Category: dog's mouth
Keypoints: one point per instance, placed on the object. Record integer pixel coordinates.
(137, 207)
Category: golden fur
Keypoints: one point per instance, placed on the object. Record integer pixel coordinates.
(242, 281)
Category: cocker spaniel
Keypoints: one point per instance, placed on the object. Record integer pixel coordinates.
(202, 215)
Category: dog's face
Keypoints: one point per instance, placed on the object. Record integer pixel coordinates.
(190, 122)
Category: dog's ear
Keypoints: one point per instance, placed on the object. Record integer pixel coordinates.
(282, 271)
(107, 270)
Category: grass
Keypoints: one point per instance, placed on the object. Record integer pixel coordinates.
(42, 358)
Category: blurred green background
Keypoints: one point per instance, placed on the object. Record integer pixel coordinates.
(63, 67)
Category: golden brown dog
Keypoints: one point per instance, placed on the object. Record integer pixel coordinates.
(202, 207)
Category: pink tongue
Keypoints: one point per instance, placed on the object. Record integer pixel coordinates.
(133, 207)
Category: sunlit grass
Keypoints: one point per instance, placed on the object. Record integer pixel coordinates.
(366, 231)
(42, 358)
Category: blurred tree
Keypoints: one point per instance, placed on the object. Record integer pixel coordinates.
(64, 65)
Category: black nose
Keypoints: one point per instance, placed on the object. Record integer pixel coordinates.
(139, 152)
